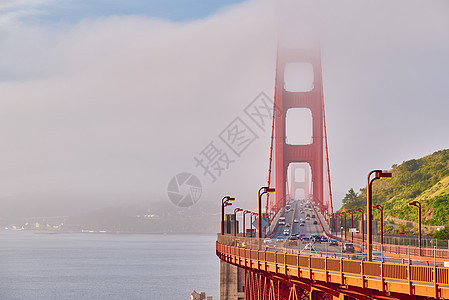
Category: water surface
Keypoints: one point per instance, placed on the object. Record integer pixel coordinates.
(106, 266)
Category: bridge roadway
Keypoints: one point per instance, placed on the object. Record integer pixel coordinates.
(300, 210)
(279, 268)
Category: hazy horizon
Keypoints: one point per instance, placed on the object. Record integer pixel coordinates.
(102, 106)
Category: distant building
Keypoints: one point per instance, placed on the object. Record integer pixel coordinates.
(199, 296)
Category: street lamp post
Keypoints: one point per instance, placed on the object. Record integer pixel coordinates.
(236, 210)
(378, 174)
(252, 214)
(345, 225)
(379, 207)
(262, 190)
(244, 213)
(341, 224)
(363, 226)
(418, 204)
(226, 201)
(352, 224)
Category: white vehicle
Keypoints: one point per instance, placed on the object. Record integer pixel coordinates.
(295, 221)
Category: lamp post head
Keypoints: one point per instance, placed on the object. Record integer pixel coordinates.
(415, 203)
(359, 210)
(270, 190)
(237, 209)
(228, 204)
(266, 189)
(255, 214)
(383, 175)
(247, 212)
(227, 199)
(378, 207)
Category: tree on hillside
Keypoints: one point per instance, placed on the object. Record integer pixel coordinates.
(350, 197)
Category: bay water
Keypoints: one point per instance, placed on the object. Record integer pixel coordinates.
(106, 266)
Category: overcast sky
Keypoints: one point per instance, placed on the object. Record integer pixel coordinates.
(103, 103)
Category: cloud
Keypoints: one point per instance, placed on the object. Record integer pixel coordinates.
(109, 109)
(13, 11)
(118, 105)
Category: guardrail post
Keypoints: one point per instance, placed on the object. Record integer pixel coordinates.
(435, 281)
(310, 267)
(341, 271)
(361, 273)
(285, 263)
(265, 260)
(325, 269)
(409, 277)
(382, 276)
(276, 262)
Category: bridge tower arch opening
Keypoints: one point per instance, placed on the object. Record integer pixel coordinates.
(299, 181)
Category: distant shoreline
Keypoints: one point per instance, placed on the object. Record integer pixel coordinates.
(107, 232)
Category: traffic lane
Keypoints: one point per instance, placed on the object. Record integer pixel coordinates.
(298, 211)
(279, 232)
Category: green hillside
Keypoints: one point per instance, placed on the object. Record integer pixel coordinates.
(425, 179)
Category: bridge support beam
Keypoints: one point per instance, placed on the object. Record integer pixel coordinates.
(263, 286)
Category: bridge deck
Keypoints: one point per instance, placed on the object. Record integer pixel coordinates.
(337, 273)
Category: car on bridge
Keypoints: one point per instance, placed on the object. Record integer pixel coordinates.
(295, 221)
(324, 239)
(315, 238)
(287, 224)
(348, 247)
(302, 224)
(333, 242)
(305, 239)
(315, 222)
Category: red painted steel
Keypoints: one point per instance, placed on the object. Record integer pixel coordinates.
(311, 153)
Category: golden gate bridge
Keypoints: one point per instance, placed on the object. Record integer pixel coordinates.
(265, 267)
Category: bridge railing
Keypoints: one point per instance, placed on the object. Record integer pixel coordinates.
(398, 245)
(254, 254)
(299, 247)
